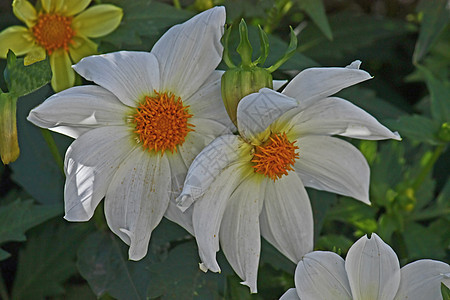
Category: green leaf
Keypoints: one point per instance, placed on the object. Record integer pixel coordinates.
(47, 262)
(334, 242)
(320, 202)
(316, 11)
(445, 291)
(418, 128)
(142, 18)
(270, 255)
(440, 96)
(435, 17)
(19, 216)
(103, 262)
(179, 277)
(351, 32)
(22, 80)
(36, 170)
(422, 243)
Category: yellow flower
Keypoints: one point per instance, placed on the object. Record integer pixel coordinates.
(60, 29)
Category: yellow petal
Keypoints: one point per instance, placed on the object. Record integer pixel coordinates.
(25, 12)
(63, 75)
(82, 47)
(73, 7)
(16, 38)
(36, 54)
(98, 20)
(52, 6)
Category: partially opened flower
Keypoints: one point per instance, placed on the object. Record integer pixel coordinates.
(140, 128)
(60, 29)
(370, 271)
(253, 184)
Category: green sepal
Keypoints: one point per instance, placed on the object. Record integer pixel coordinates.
(226, 53)
(288, 54)
(244, 48)
(264, 48)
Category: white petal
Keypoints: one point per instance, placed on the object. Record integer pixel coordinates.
(137, 199)
(188, 53)
(373, 269)
(318, 83)
(128, 75)
(258, 110)
(422, 280)
(291, 294)
(333, 165)
(333, 115)
(286, 219)
(178, 171)
(321, 275)
(211, 161)
(206, 102)
(239, 231)
(277, 84)
(79, 109)
(209, 210)
(205, 131)
(90, 164)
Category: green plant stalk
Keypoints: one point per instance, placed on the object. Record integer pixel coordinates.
(176, 4)
(427, 168)
(9, 144)
(53, 148)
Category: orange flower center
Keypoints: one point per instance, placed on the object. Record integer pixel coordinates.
(162, 122)
(53, 32)
(275, 157)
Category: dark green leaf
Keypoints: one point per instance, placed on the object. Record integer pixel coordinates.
(47, 262)
(320, 202)
(422, 243)
(35, 169)
(368, 100)
(445, 291)
(440, 96)
(316, 11)
(179, 277)
(335, 243)
(270, 255)
(17, 217)
(22, 80)
(143, 18)
(103, 262)
(417, 128)
(435, 17)
(351, 32)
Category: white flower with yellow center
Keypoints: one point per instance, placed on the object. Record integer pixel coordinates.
(140, 128)
(252, 184)
(371, 271)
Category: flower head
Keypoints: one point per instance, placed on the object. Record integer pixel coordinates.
(370, 271)
(254, 183)
(140, 127)
(60, 29)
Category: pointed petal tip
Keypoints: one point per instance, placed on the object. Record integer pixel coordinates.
(397, 136)
(184, 201)
(253, 289)
(354, 65)
(215, 268)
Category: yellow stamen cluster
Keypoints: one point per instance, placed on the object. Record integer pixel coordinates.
(162, 122)
(53, 32)
(275, 157)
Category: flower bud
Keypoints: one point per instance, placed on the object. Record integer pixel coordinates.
(248, 77)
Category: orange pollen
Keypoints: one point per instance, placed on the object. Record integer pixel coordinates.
(162, 122)
(53, 32)
(275, 157)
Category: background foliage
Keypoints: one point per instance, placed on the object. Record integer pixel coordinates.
(404, 44)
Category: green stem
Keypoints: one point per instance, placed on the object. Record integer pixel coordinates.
(3, 291)
(176, 4)
(427, 168)
(53, 148)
